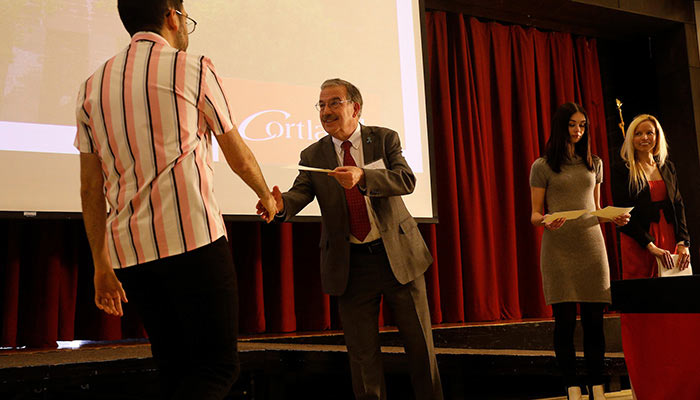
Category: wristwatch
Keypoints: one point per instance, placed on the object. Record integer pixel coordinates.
(685, 243)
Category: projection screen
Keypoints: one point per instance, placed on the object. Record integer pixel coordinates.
(273, 56)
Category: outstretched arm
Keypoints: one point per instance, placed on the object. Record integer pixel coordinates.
(243, 163)
(299, 195)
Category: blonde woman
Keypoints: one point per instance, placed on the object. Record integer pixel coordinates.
(647, 181)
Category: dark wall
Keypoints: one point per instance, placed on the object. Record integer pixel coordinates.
(627, 73)
(679, 113)
(650, 74)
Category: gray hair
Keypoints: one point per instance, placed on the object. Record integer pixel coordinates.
(353, 92)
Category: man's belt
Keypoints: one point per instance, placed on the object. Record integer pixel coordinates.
(374, 247)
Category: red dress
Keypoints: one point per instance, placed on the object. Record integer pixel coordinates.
(661, 350)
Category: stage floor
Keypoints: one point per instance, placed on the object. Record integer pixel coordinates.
(501, 361)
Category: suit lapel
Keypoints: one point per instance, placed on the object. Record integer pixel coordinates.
(330, 159)
(368, 144)
(666, 175)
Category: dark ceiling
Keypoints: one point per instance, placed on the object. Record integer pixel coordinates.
(597, 18)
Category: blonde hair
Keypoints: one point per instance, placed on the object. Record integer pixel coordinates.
(637, 178)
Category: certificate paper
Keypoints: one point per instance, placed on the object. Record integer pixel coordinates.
(611, 212)
(311, 169)
(564, 214)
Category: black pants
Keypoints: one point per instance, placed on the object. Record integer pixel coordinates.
(189, 307)
(593, 341)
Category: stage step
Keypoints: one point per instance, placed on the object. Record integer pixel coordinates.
(495, 361)
(622, 395)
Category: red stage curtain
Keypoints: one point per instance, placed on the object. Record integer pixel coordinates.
(493, 89)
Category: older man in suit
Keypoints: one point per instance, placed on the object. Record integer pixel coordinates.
(370, 244)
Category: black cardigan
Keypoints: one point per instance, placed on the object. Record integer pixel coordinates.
(645, 211)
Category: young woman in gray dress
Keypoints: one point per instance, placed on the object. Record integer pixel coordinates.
(573, 259)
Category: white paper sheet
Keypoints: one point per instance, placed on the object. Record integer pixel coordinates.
(611, 212)
(311, 169)
(663, 272)
(569, 215)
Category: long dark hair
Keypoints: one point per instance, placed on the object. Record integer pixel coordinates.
(556, 149)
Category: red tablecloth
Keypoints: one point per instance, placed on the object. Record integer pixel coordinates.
(662, 353)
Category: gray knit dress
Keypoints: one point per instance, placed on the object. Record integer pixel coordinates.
(573, 260)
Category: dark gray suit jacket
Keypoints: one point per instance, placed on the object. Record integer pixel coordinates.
(408, 255)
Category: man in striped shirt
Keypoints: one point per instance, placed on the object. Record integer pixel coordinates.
(144, 120)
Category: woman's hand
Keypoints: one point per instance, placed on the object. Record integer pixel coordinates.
(683, 256)
(622, 219)
(554, 225)
(664, 255)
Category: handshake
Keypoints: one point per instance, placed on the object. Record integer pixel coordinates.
(272, 204)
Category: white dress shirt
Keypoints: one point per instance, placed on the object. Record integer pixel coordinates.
(358, 155)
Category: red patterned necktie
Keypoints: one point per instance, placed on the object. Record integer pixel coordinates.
(357, 208)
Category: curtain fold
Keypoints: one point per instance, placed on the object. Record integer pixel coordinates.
(493, 91)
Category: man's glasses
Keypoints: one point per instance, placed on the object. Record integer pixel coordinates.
(189, 22)
(333, 105)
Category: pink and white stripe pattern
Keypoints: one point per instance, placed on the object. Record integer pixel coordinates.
(148, 113)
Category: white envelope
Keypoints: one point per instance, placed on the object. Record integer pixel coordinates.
(663, 272)
(378, 164)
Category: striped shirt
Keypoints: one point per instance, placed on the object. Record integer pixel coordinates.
(148, 113)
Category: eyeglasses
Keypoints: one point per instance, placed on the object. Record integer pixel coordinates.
(333, 105)
(189, 22)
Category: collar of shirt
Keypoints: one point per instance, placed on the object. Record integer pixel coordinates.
(150, 36)
(356, 142)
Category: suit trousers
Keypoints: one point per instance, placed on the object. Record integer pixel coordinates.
(189, 307)
(370, 279)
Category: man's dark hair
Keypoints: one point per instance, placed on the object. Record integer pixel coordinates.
(145, 15)
(353, 91)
